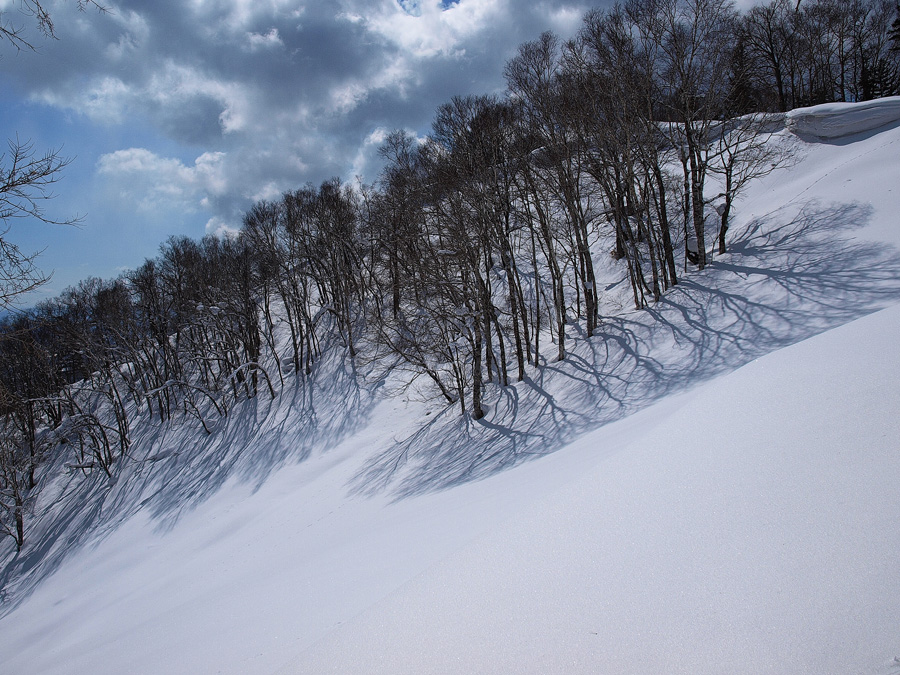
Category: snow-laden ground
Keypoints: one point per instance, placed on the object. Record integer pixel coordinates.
(748, 526)
(711, 488)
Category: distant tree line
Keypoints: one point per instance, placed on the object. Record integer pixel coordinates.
(473, 246)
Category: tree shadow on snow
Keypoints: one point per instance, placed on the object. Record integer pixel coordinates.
(312, 414)
(788, 276)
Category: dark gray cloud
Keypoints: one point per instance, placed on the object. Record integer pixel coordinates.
(264, 95)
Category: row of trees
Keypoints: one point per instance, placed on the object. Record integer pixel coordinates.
(791, 54)
(474, 248)
(483, 237)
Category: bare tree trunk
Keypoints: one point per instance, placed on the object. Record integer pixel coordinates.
(669, 253)
(477, 383)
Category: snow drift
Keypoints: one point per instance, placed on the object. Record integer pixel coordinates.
(839, 120)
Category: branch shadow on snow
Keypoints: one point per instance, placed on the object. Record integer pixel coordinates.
(788, 276)
(260, 435)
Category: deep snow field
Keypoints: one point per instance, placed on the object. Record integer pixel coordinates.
(709, 486)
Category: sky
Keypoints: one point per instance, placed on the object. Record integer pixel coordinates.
(180, 114)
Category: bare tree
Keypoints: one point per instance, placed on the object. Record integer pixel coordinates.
(611, 65)
(18, 273)
(25, 175)
(743, 153)
(692, 62)
(767, 38)
(535, 78)
(894, 31)
(26, 180)
(14, 491)
(39, 12)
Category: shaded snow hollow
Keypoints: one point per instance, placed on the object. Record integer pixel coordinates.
(710, 487)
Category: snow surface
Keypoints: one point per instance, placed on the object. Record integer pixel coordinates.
(709, 486)
(747, 526)
(841, 120)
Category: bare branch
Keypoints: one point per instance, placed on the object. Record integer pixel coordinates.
(26, 179)
(18, 273)
(37, 10)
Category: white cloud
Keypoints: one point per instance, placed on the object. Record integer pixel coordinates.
(269, 191)
(564, 20)
(164, 183)
(220, 228)
(177, 85)
(259, 41)
(135, 34)
(425, 29)
(218, 18)
(170, 93)
(105, 100)
(345, 97)
(411, 7)
(366, 153)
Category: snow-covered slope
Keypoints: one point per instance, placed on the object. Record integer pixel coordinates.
(711, 488)
(748, 526)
